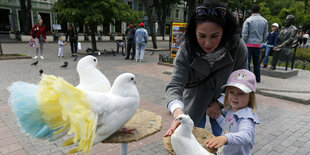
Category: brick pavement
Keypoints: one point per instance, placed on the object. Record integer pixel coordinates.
(284, 128)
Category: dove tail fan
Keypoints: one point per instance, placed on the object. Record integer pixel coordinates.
(65, 106)
(24, 103)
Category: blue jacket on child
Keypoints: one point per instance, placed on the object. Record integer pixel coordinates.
(272, 38)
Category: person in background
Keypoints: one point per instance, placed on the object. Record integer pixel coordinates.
(254, 33)
(305, 37)
(38, 34)
(130, 31)
(61, 45)
(141, 37)
(73, 38)
(208, 54)
(272, 41)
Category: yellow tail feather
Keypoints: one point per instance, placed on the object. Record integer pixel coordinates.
(65, 106)
(68, 142)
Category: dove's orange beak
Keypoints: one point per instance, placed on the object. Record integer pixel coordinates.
(135, 82)
(97, 66)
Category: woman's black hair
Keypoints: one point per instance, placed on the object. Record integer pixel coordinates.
(228, 24)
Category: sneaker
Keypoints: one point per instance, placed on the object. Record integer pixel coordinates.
(141, 60)
(265, 66)
(35, 57)
(42, 57)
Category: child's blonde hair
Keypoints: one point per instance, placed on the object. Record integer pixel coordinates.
(252, 103)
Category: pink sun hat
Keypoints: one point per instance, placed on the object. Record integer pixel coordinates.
(242, 79)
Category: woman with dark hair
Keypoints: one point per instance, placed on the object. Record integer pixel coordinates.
(207, 56)
(38, 34)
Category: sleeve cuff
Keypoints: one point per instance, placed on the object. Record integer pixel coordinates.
(174, 105)
(221, 98)
(230, 138)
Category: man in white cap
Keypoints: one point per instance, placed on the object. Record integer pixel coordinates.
(271, 41)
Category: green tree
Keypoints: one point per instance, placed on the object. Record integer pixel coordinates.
(149, 7)
(161, 8)
(94, 12)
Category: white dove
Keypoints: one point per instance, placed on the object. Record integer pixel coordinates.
(183, 141)
(90, 77)
(25, 104)
(91, 116)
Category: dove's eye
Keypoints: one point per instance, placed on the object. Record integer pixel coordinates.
(131, 78)
(94, 60)
(180, 119)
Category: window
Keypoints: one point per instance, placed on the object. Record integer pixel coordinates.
(169, 13)
(140, 7)
(130, 4)
(177, 11)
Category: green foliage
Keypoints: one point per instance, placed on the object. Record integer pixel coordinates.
(276, 10)
(303, 54)
(94, 12)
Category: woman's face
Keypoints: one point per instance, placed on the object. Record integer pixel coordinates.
(209, 36)
(40, 22)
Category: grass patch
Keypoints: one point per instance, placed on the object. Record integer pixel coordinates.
(13, 56)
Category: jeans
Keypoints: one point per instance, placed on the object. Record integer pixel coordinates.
(140, 47)
(131, 45)
(73, 45)
(255, 52)
(216, 129)
(266, 53)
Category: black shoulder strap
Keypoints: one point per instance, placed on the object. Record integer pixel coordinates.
(198, 83)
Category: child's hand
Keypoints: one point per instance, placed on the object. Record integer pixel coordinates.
(216, 142)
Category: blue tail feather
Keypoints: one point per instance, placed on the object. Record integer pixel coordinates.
(24, 103)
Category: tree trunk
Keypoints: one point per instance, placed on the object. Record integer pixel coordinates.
(23, 15)
(28, 17)
(185, 12)
(306, 6)
(161, 11)
(1, 53)
(150, 23)
(93, 30)
(192, 4)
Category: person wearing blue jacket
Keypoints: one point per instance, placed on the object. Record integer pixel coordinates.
(272, 41)
(141, 38)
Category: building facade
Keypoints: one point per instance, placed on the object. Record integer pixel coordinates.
(10, 21)
(10, 11)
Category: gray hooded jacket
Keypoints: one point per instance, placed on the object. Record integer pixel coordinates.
(190, 68)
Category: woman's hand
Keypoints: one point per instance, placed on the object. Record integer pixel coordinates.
(216, 142)
(214, 110)
(175, 123)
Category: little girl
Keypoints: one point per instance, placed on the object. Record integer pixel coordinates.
(60, 47)
(240, 117)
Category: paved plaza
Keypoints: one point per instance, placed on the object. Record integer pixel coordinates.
(284, 127)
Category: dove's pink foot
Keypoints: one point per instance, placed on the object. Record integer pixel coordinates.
(125, 130)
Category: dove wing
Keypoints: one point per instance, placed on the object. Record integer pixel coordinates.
(65, 106)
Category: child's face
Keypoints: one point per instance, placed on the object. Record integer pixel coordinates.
(59, 38)
(273, 28)
(237, 99)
